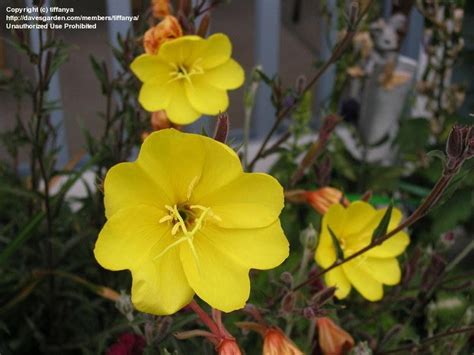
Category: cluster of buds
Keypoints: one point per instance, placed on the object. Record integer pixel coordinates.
(459, 147)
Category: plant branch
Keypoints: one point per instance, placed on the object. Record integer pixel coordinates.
(336, 54)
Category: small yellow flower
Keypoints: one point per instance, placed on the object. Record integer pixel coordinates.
(354, 226)
(185, 219)
(188, 77)
(167, 30)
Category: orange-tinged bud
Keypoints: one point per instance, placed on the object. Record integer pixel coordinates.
(275, 342)
(160, 8)
(332, 339)
(228, 347)
(159, 120)
(109, 294)
(323, 198)
(168, 29)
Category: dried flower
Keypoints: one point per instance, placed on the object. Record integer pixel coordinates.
(159, 120)
(168, 29)
(184, 224)
(275, 342)
(228, 347)
(323, 198)
(332, 339)
(353, 228)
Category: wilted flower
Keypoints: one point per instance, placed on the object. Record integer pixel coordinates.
(127, 344)
(323, 198)
(159, 120)
(353, 227)
(228, 347)
(332, 339)
(185, 219)
(275, 342)
(168, 29)
(188, 77)
(160, 8)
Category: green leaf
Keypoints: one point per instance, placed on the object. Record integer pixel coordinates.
(437, 154)
(335, 241)
(24, 235)
(381, 229)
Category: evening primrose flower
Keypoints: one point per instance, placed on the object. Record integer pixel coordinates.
(353, 228)
(188, 77)
(184, 219)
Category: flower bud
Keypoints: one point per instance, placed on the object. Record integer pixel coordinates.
(275, 342)
(455, 142)
(228, 346)
(287, 278)
(222, 127)
(288, 303)
(168, 29)
(333, 340)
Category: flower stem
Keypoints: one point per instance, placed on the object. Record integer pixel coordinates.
(336, 54)
(204, 317)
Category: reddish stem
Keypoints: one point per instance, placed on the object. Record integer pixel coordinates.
(205, 318)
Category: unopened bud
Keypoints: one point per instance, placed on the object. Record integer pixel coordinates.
(455, 142)
(353, 13)
(309, 313)
(222, 127)
(309, 237)
(228, 347)
(288, 303)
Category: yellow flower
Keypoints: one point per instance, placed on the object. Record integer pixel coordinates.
(188, 77)
(184, 219)
(354, 227)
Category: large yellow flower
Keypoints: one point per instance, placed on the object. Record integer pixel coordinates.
(353, 227)
(188, 77)
(185, 219)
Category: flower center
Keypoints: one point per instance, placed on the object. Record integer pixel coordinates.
(187, 220)
(185, 72)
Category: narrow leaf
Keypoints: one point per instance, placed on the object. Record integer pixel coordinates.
(335, 241)
(381, 229)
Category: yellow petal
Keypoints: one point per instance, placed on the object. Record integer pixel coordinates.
(386, 271)
(227, 76)
(181, 50)
(262, 248)
(127, 185)
(174, 160)
(392, 247)
(218, 280)
(179, 108)
(334, 218)
(160, 286)
(221, 166)
(216, 52)
(206, 98)
(128, 236)
(155, 96)
(251, 201)
(150, 68)
(336, 278)
(364, 283)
